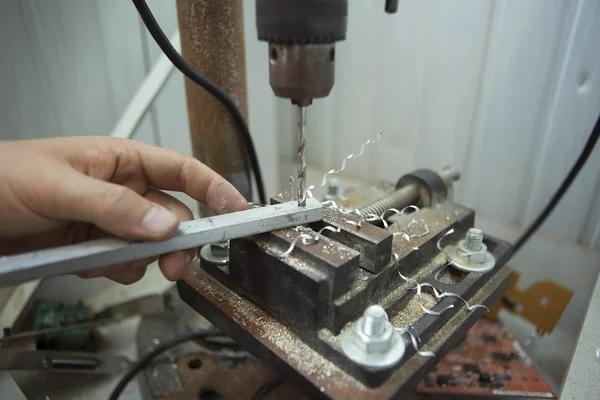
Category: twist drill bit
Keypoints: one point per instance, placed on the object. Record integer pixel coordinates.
(301, 133)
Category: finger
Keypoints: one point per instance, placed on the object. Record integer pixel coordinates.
(113, 271)
(129, 276)
(129, 272)
(173, 265)
(169, 170)
(113, 208)
(164, 169)
(92, 273)
(169, 202)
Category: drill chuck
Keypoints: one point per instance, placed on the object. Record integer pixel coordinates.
(302, 72)
(301, 36)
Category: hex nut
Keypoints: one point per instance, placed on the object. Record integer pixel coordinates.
(220, 249)
(468, 255)
(373, 344)
(215, 254)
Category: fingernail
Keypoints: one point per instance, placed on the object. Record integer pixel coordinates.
(188, 259)
(159, 219)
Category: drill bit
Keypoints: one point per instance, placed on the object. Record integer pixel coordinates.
(301, 133)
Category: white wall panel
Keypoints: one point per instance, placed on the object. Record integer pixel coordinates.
(505, 90)
(122, 49)
(27, 107)
(143, 132)
(172, 118)
(457, 48)
(573, 113)
(591, 233)
(357, 64)
(527, 43)
(68, 37)
(66, 67)
(398, 74)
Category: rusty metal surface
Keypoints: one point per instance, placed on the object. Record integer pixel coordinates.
(298, 288)
(373, 243)
(316, 292)
(205, 375)
(282, 349)
(373, 288)
(300, 318)
(193, 371)
(212, 41)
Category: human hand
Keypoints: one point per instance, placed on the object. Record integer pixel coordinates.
(67, 190)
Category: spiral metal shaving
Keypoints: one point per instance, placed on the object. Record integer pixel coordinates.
(345, 162)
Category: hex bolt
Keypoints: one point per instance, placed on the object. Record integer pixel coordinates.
(474, 239)
(215, 253)
(372, 340)
(471, 254)
(374, 319)
(220, 249)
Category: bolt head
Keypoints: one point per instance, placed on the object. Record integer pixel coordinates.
(220, 249)
(468, 255)
(373, 344)
(215, 254)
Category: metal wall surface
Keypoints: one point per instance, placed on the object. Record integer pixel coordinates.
(70, 67)
(505, 90)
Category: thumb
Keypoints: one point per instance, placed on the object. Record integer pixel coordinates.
(113, 208)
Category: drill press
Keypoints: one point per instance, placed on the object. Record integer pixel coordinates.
(301, 37)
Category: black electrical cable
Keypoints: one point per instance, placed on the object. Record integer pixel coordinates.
(267, 388)
(206, 84)
(583, 157)
(145, 361)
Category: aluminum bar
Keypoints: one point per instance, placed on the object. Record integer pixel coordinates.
(105, 252)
